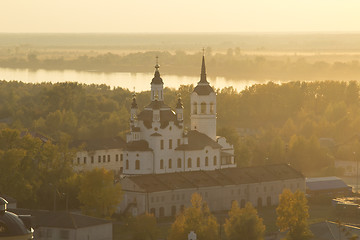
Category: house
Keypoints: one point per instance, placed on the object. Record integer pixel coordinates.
(66, 225)
(167, 194)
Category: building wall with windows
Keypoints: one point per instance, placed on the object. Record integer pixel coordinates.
(110, 159)
(166, 194)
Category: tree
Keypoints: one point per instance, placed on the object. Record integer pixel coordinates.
(244, 223)
(292, 215)
(98, 195)
(144, 227)
(196, 218)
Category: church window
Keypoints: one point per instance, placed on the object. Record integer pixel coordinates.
(173, 211)
(137, 165)
(84, 160)
(170, 163)
(99, 159)
(195, 108)
(198, 162)
(161, 164)
(179, 163)
(121, 157)
(78, 160)
(161, 144)
(189, 163)
(206, 161)
(215, 161)
(178, 142)
(211, 108)
(117, 157)
(170, 143)
(203, 108)
(127, 164)
(92, 159)
(104, 158)
(161, 212)
(108, 158)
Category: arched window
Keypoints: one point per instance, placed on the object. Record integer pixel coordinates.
(268, 201)
(173, 211)
(189, 163)
(170, 163)
(206, 161)
(127, 164)
(198, 162)
(179, 163)
(161, 212)
(161, 164)
(137, 164)
(194, 108)
(211, 107)
(242, 203)
(259, 202)
(203, 108)
(215, 161)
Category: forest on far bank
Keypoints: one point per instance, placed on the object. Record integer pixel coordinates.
(231, 64)
(306, 124)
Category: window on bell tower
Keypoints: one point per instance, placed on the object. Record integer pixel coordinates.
(211, 107)
(195, 108)
(203, 108)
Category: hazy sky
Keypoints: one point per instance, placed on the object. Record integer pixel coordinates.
(179, 15)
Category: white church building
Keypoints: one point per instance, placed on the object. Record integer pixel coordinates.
(158, 142)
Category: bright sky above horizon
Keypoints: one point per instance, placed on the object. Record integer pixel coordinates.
(179, 16)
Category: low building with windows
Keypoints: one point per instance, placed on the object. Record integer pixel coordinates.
(100, 153)
(66, 225)
(167, 194)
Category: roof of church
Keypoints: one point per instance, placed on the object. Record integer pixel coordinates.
(197, 141)
(141, 145)
(98, 144)
(157, 79)
(166, 116)
(203, 87)
(221, 177)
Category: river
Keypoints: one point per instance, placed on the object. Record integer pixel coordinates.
(141, 81)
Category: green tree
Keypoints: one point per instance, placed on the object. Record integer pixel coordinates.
(244, 223)
(144, 227)
(98, 195)
(292, 214)
(196, 218)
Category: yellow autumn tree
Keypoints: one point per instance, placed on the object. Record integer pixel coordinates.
(244, 223)
(98, 195)
(195, 218)
(292, 214)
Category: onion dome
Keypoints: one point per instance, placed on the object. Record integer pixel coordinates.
(11, 225)
(203, 87)
(179, 103)
(134, 104)
(157, 79)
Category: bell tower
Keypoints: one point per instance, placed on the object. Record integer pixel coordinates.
(203, 106)
(157, 84)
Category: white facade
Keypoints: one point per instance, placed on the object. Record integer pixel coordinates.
(110, 159)
(167, 200)
(159, 143)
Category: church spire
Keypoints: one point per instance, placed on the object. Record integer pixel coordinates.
(157, 79)
(203, 70)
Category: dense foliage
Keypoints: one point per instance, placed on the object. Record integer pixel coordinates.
(244, 223)
(232, 64)
(292, 215)
(195, 218)
(306, 124)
